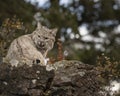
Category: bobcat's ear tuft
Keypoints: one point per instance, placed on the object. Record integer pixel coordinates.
(54, 31)
(39, 25)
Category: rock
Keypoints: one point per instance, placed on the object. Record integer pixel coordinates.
(24, 80)
(69, 78)
(73, 78)
(1, 59)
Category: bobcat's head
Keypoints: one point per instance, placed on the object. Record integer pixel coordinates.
(44, 38)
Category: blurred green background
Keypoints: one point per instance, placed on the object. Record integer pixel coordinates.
(87, 28)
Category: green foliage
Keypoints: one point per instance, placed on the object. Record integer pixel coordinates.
(109, 68)
(109, 71)
(20, 8)
(10, 29)
(98, 15)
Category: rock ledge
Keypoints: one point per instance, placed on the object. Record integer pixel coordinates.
(69, 78)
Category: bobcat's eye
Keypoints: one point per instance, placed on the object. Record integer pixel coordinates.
(46, 37)
(38, 35)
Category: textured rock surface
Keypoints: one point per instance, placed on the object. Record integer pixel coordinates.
(70, 78)
(24, 81)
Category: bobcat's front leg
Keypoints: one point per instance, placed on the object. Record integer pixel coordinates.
(38, 58)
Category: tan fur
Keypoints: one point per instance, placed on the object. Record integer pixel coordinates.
(31, 47)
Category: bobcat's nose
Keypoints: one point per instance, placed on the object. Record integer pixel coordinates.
(41, 44)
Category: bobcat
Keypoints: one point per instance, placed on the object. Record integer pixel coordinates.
(32, 48)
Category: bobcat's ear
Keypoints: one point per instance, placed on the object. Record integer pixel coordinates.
(39, 25)
(54, 31)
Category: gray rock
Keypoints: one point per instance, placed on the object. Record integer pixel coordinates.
(73, 78)
(69, 78)
(1, 59)
(24, 80)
